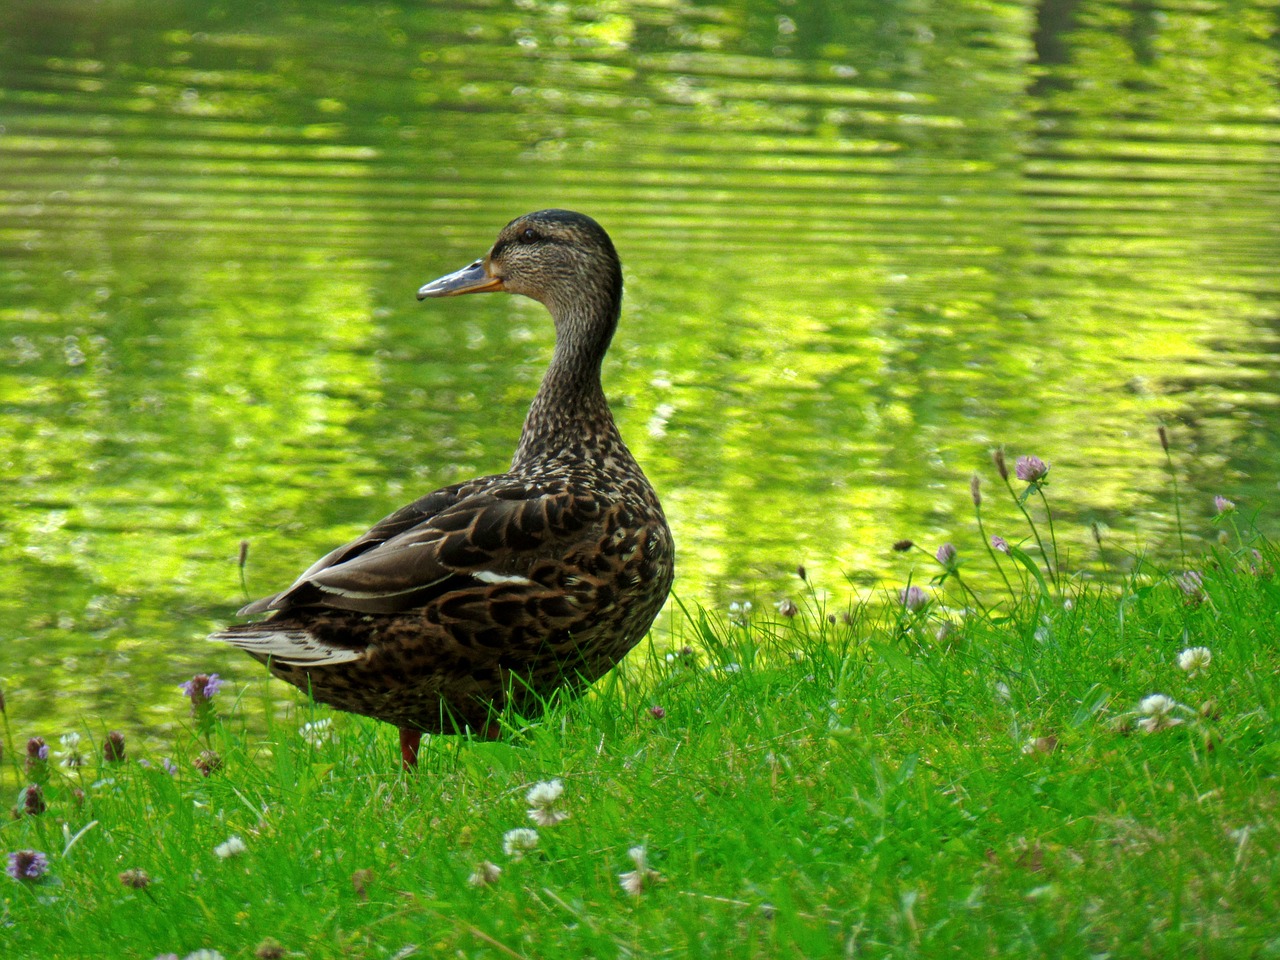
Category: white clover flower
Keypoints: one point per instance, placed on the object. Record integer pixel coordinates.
(317, 732)
(739, 613)
(635, 881)
(787, 607)
(542, 798)
(516, 843)
(204, 955)
(232, 847)
(485, 874)
(1002, 692)
(70, 755)
(1195, 660)
(1156, 713)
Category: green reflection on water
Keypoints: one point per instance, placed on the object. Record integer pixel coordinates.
(864, 243)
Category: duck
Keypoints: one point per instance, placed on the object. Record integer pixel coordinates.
(493, 594)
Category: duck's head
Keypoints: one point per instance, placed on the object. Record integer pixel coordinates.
(561, 258)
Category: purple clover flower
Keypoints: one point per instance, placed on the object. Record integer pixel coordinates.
(999, 543)
(27, 865)
(1031, 469)
(1222, 505)
(913, 598)
(946, 555)
(37, 749)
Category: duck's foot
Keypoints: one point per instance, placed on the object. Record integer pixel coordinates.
(409, 741)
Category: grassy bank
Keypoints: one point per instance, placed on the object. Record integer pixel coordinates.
(891, 780)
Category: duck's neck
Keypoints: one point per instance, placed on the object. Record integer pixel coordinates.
(570, 415)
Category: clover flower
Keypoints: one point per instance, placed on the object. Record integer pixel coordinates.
(37, 750)
(635, 881)
(70, 755)
(946, 555)
(739, 614)
(1031, 469)
(999, 543)
(516, 843)
(27, 865)
(1156, 711)
(233, 846)
(1195, 660)
(787, 607)
(542, 798)
(1191, 583)
(316, 732)
(486, 874)
(657, 712)
(207, 763)
(1223, 505)
(913, 598)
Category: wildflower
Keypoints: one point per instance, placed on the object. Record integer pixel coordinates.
(902, 546)
(975, 490)
(485, 874)
(170, 767)
(1164, 437)
(946, 556)
(1156, 710)
(1192, 584)
(732, 667)
(802, 573)
(31, 800)
(27, 865)
(787, 607)
(270, 948)
(208, 762)
(657, 712)
(1195, 660)
(739, 613)
(204, 955)
(113, 747)
(135, 878)
(999, 543)
(1031, 469)
(1002, 692)
(684, 656)
(997, 457)
(201, 689)
(233, 846)
(70, 755)
(913, 598)
(516, 843)
(542, 798)
(1223, 505)
(635, 881)
(37, 750)
(316, 732)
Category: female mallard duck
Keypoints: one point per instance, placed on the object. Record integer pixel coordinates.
(496, 591)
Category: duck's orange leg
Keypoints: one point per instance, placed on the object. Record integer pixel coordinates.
(409, 741)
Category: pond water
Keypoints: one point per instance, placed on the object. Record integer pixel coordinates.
(865, 243)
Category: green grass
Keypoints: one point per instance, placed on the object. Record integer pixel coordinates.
(824, 785)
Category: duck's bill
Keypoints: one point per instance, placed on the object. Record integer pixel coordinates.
(470, 279)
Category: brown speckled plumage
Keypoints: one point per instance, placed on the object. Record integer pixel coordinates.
(504, 588)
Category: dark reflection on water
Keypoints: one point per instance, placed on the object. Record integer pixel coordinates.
(864, 244)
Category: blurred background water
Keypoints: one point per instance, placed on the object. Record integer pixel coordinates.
(865, 242)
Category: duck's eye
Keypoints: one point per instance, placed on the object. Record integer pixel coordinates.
(529, 235)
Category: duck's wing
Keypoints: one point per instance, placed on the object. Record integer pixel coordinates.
(487, 532)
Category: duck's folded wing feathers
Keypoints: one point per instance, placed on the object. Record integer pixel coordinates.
(487, 538)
